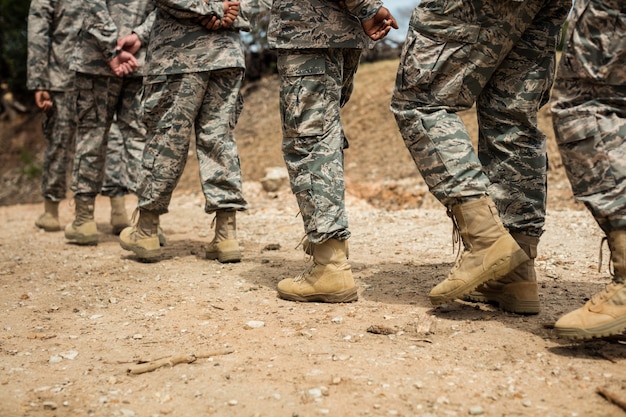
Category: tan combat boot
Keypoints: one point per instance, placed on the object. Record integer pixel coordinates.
(49, 220)
(490, 252)
(119, 217)
(328, 280)
(605, 313)
(143, 238)
(224, 246)
(83, 229)
(516, 292)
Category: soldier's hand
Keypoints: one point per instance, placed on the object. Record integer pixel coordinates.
(379, 26)
(130, 43)
(124, 63)
(231, 11)
(210, 22)
(43, 100)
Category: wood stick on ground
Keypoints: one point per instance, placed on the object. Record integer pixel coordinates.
(170, 361)
(611, 397)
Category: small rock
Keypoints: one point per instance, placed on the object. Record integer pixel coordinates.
(49, 405)
(255, 324)
(275, 179)
(476, 411)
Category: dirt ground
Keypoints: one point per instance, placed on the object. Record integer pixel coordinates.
(75, 321)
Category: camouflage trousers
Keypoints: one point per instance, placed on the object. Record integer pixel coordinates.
(116, 182)
(314, 85)
(59, 126)
(99, 100)
(589, 109)
(500, 56)
(175, 105)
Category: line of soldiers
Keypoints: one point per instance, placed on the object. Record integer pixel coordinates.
(497, 55)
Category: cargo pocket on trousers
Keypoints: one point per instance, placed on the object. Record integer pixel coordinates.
(435, 43)
(155, 101)
(303, 92)
(586, 163)
(85, 102)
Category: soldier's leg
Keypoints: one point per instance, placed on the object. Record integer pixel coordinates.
(313, 140)
(440, 74)
(589, 117)
(95, 105)
(513, 152)
(218, 158)
(132, 130)
(171, 105)
(59, 127)
(312, 84)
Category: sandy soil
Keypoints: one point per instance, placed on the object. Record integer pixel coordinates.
(74, 320)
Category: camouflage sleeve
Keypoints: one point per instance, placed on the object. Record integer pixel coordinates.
(363, 9)
(100, 25)
(143, 30)
(40, 24)
(248, 12)
(190, 9)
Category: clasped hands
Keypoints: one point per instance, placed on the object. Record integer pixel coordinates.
(125, 63)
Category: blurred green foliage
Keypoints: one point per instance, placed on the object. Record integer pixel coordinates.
(13, 44)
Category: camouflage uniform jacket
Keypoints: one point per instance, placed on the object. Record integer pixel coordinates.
(105, 21)
(52, 29)
(296, 24)
(180, 45)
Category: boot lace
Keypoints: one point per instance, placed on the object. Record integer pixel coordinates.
(307, 271)
(603, 295)
(135, 216)
(604, 239)
(457, 242)
(307, 256)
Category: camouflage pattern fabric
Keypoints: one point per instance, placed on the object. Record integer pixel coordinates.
(59, 127)
(99, 100)
(499, 56)
(181, 46)
(194, 84)
(210, 102)
(52, 29)
(589, 109)
(102, 95)
(320, 24)
(117, 182)
(315, 84)
(104, 22)
(319, 45)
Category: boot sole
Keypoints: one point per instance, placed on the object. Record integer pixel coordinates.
(142, 253)
(497, 271)
(347, 296)
(49, 229)
(610, 329)
(224, 257)
(83, 240)
(506, 303)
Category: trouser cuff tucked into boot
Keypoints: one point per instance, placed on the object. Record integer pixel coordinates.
(142, 238)
(83, 230)
(329, 279)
